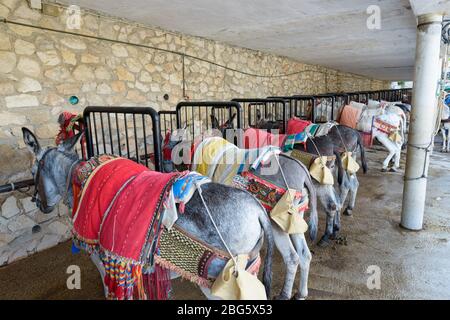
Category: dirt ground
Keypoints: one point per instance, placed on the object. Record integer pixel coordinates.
(414, 265)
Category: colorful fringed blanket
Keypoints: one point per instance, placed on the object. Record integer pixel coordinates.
(258, 138)
(384, 124)
(267, 192)
(118, 214)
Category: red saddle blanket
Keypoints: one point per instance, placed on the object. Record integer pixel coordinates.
(118, 214)
(118, 207)
(296, 125)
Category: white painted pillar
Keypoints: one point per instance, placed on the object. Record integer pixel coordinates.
(427, 73)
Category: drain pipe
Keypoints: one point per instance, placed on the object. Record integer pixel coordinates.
(423, 113)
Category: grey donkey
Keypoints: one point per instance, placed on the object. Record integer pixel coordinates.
(242, 221)
(293, 248)
(327, 194)
(345, 138)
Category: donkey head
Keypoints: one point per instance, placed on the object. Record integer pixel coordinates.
(50, 169)
(226, 125)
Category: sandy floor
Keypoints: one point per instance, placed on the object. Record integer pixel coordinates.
(414, 265)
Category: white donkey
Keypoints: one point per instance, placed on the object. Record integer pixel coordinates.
(388, 125)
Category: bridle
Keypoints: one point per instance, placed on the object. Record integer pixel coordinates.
(37, 177)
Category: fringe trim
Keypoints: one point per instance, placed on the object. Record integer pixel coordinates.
(202, 282)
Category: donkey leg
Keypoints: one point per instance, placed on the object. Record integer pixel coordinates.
(398, 155)
(448, 139)
(305, 260)
(444, 139)
(345, 188)
(354, 185)
(336, 224)
(101, 269)
(290, 259)
(389, 145)
(329, 201)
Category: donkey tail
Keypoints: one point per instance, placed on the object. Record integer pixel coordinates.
(339, 166)
(363, 154)
(313, 217)
(264, 220)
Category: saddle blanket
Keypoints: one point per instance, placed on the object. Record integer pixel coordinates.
(194, 259)
(119, 215)
(267, 192)
(221, 160)
(350, 116)
(386, 123)
(259, 138)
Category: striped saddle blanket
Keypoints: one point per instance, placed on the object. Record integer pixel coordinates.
(221, 160)
(258, 138)
(267, 192)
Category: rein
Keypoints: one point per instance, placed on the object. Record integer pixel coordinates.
(69, 176)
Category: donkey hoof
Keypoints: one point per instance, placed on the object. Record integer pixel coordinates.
(324, 242)
(384, 170)
(348, 212)
(298, 296)
(335, 235)
(393, 169)
(281, 297)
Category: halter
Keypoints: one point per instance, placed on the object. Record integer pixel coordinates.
(40, 165)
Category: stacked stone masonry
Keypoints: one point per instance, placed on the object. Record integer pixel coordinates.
(41, 69)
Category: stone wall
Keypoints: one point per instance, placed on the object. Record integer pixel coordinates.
(41, 69)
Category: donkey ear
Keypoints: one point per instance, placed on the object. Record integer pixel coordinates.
(31, 141)
(70, 143)
(258, 114)
(214, 122)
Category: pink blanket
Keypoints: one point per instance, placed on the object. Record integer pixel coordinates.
(257, 138)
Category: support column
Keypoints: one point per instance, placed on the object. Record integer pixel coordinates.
(423, 113)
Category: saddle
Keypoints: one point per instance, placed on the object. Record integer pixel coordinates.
(318, 166)
(221, 160)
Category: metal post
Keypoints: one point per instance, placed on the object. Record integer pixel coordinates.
(427, 71)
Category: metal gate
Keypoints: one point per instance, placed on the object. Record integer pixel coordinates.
(132, 132)
(168, 121)
(301, 106)
(270, 109)
(197, 117)
(324, 108)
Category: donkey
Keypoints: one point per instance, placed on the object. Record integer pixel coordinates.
(328, 197)
(347, 139)
(293, 248)
(265, 123)
(394, 147)
(241, 219)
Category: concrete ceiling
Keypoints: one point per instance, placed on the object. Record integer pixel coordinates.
(331, 33)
